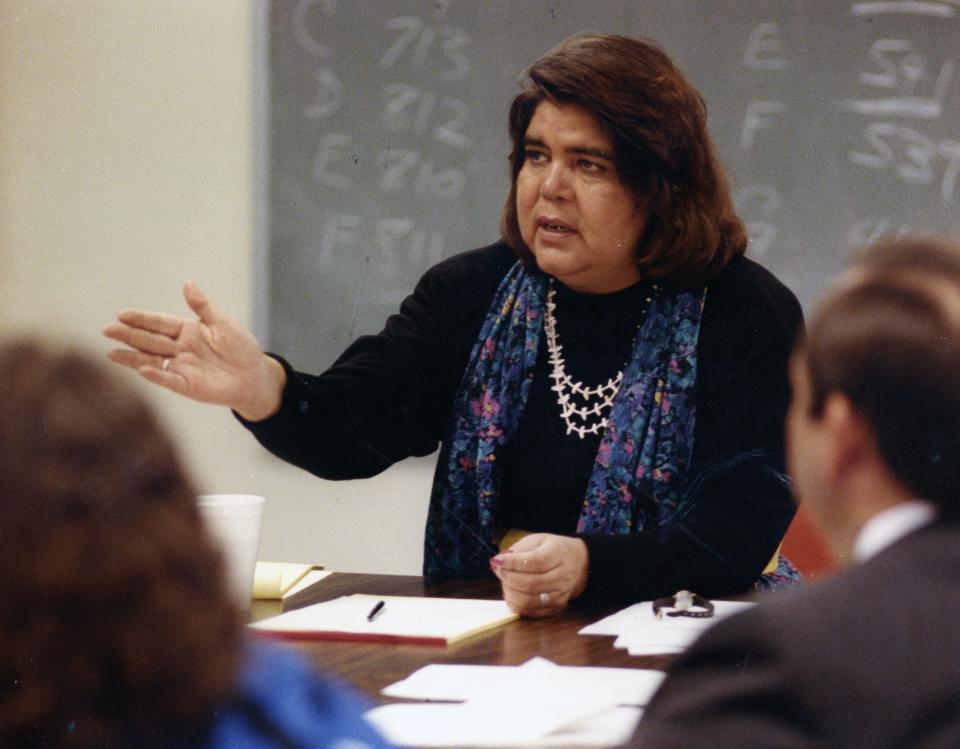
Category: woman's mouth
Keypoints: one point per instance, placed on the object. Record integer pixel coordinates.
(554, 225)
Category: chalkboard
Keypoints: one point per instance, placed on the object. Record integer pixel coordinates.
(838, 123)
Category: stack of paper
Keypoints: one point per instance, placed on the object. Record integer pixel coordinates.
(536, 704)
(641, 632)
(409, 619)
(274, 580)
(449, 682)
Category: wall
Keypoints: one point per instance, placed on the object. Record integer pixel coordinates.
(128, 164)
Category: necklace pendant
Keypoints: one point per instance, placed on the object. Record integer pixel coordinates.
(597, 401)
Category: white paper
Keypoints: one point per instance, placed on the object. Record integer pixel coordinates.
(611, 728)
(640, 632)
(539, 697)
(402, 616)
(444, 682)
(453, 682)
(633, 617)
(668, 639)
(444, 725)
(532, 704)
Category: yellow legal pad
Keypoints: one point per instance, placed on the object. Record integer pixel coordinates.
(407, 619)
(272, 580)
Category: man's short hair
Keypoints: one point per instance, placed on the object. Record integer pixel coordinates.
(888, 337)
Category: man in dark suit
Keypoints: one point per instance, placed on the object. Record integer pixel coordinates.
(871, 657)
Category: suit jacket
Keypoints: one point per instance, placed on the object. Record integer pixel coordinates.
(870, 658)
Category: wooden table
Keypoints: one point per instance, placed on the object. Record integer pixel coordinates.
(372, 666)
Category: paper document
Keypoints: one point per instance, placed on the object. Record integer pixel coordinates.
(313, 576)
(428, 621)
(274, 580)
(444, 725)
(536, 704)
(641, 632)
(454, 682)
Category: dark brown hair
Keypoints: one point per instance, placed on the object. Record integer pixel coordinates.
(114, 617)
(662, 151)
(888, 337)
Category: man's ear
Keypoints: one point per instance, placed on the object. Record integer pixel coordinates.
(849, 437)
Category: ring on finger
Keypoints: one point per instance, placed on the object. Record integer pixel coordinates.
(166, 363)
(544, 599)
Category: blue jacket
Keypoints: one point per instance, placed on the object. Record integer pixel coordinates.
(282, 702)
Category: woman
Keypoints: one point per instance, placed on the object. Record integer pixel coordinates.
(621, 266)
(116, 627)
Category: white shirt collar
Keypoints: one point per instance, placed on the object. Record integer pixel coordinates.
(887, 527)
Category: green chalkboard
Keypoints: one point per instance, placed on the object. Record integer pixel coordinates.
(838, 122)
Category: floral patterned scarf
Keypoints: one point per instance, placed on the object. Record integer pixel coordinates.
(648, 440)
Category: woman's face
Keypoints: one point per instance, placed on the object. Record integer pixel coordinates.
(576, 216)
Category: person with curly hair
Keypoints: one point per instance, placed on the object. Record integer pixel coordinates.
(116, 626)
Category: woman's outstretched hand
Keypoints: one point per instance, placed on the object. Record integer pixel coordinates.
(213, 359)
(541, 573)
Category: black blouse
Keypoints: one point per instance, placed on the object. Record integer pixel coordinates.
(388, 397)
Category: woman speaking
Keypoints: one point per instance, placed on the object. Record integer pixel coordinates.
(607, 382)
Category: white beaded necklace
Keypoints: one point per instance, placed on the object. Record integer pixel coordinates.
(596, 401)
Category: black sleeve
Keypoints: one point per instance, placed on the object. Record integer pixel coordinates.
(388, 395)
(736, 504)
(733, 688)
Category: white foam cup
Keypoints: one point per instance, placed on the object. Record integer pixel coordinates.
(233, 521)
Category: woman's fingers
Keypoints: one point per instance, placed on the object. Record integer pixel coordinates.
(535, 554)
(528, 581)
(141, 339)
(165, 378)
(134, 359)
(534, 585)
(542, 572)
(156, 322)
(199, 303)
(150, 367)
(212, 359)
(544, 603)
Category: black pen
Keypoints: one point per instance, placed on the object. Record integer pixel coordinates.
(376, 611)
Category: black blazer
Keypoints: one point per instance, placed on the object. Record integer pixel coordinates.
(870, 658)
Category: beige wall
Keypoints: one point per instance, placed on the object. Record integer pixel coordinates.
(127, 134)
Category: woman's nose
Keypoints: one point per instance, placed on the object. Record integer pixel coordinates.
(556, 182)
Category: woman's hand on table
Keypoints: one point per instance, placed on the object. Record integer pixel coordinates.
(542, 573)
(213, 359)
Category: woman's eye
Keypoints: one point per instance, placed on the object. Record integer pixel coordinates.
(535, 156)
(590, 166)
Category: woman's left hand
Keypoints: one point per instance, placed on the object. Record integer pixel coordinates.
(542, 573)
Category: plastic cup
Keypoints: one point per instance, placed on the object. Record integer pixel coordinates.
(233, 521)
